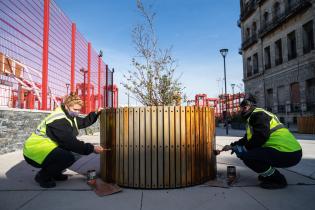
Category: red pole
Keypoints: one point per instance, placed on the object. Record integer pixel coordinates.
(73, 33)
(45, 55)
(99, 83)
(106, 87)
(89, 79)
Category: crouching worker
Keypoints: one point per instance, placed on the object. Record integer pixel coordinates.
(50, 147)
(267, 145)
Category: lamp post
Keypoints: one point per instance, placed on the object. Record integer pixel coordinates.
(67, 85)
(232, 86)
(224, 53)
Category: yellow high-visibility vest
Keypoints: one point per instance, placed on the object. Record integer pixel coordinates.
(280, 137)
(39, 145)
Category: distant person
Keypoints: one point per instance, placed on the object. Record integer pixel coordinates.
(267, 145)
(50, 147)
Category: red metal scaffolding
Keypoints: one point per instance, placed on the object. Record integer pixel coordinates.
(42, 55)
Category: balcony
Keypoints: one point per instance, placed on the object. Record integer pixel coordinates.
(291, 10)
(249, 41)
(279, 61)
(248, 9)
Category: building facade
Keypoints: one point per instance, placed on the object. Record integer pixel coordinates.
(279, 55)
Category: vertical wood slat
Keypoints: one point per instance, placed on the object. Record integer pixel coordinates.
(213, 164)
(126, 146)
(131, 147)
(154, 162)
(166, 136)
(160, 146)
(178, 146)
(193, 144)
(117, 148)
(172, 146)
(197, 152)
(121, 148)
(136, 141)
(183, 169)
(188, 143)
(148, 149)
(142, 147)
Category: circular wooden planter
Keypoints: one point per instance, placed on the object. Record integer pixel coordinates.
(158, 147)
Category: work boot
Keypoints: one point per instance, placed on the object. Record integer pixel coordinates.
(261, 178)
(44, 181)
(60, 177)
(274, 181)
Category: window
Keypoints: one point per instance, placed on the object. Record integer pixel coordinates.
(247, 32)
(308, 37)
(278, 52)
(276, 10)
(267, 57)
(269, 99)
(291, 45)
(249, 67)
(266, 17)
(281, 99)
(310, 94)
(254, 28)
(295, 96)
(255, 63)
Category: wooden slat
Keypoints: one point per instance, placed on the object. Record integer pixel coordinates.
(160, 146)
(183, 155)
(103, 127)
(126, 143)
(117, 148)
(193, 144)
(178, 146)
(136, 130)
(197, 152)
(154, 163)
(166, 136)
(207, 141)
(172, 146)
(213, 163)
(131, 147)
(121, 148)
(112, 144)
(188, 145)
(201, 115)
(142, 147)
(148, 138)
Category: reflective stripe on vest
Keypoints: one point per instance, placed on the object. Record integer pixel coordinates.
(280, 138)
(39, 145)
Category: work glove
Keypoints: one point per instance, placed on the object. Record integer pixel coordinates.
(239, 150)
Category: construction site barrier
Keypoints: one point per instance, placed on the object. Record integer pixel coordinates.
(158, 146)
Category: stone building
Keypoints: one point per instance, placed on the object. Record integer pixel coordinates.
(278, 55)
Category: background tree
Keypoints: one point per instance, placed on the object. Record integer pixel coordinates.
(152, 81)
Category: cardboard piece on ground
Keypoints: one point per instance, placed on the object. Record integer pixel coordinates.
(102, 188)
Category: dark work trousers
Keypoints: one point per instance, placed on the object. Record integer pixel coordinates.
(55, 162)
(260, 159)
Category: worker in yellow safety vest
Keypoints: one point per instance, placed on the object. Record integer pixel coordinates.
(267, 145)
(53, 144)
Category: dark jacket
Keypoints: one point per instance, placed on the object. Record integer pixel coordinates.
(65, 135)
(260, 122)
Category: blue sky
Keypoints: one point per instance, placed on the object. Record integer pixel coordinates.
(196, 29)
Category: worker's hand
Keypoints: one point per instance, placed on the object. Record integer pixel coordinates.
(100, 109)
(226, 148)
(239, 150)
(98, 149)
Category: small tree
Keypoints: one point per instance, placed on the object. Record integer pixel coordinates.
(152, 81)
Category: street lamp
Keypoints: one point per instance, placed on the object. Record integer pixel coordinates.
(232, 86)
(224, 53)
(67, 85)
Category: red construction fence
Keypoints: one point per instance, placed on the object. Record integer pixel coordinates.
(43, 57)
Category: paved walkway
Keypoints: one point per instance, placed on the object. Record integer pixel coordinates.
(18, 190)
